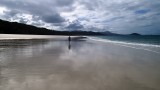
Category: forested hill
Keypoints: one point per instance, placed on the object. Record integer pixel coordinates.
(18, 28)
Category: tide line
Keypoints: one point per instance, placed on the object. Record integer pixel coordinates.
(125, 44)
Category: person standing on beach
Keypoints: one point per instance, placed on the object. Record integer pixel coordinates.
(69, 38)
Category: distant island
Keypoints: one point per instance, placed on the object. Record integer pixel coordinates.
(135, 34)
(19, 28)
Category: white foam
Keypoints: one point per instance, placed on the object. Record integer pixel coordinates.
(121, 42)
(126, 44)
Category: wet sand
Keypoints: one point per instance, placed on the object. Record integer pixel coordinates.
(86, 65)
(20, 36)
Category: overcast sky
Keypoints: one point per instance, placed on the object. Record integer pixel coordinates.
(119, 16)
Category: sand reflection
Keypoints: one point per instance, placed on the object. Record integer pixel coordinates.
(86, 66)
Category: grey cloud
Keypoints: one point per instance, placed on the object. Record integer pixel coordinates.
(58, 24)
(23, 21)
(75, 25)
(11, 13)
(64, 2)
(56, 18)
(122, 16)
(115, 18)
(91, 5)
(37, 24)
(46, 10)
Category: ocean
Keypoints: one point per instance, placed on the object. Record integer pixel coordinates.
(148, 40)
(149, 43)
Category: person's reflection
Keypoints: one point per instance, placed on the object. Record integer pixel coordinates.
(0, 74)
(69, 42)
(69, 45)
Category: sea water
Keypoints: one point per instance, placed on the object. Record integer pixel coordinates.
(144, 39)
(149, 43)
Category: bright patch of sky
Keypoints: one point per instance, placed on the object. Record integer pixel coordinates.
(2, 9)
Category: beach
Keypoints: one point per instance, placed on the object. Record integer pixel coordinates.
(20, 36)
(54, 63)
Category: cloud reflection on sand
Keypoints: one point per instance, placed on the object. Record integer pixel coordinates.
(87, 66)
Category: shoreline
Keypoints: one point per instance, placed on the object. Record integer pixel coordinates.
(21, 37)
(138, 46)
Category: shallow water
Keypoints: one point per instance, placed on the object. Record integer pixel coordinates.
(82, 65)
(134, 39)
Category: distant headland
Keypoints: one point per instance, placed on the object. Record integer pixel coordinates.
(19, 28)
(135, 34)
(7, 27)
